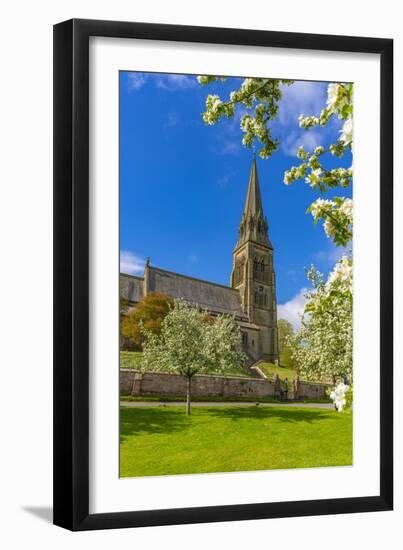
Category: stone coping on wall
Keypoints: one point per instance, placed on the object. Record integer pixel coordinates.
(316, 383)
(263, 379)
(201, 375)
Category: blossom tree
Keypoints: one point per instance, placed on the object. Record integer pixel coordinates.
(337, 214)
(260, 99)
(338, 396)
(190, 343)
(323, 346)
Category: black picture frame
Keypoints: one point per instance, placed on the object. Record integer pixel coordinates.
(71, 274)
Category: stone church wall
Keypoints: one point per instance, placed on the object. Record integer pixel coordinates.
(154, 384)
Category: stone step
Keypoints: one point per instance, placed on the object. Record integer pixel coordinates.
(249, 363)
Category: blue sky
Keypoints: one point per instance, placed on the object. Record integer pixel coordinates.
(183, 184)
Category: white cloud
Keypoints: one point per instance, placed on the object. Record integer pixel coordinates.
(193, 258)
(230, 148)
(224, 180)
(332, 254)
(172, 120)
(130, 263)
(293, 309)
(135, 81)
(301, 98)
(309, 139)
(227, 134)
(169, 82)
(172, 82)
(226, 147)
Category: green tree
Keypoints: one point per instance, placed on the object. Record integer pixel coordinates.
(148, 314)
(285, 330)
(189, 343)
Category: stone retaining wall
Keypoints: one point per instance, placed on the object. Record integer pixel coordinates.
(135, 383)
(310, 390)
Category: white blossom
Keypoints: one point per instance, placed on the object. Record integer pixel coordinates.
(332, 93)
(342, 274)
(347, 132)
(321, 207)
(287, 178)
(314, 177)
(319, 150)
(347, 208)
(338, 396)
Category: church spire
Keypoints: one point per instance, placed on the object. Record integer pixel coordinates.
(253, 203)
(253, 225)
(254, 277)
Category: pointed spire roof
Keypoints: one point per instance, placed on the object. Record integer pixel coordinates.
(253, 226)
(253, 203)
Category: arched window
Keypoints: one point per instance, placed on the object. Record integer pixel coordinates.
(262, 266)
(256, 297)
(255, 264)
(265, 299)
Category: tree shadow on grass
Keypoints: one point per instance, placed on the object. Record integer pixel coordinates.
(152, 420)
(163, 420)
(285, 415)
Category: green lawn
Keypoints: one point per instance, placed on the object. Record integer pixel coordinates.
(132, 360)
(270, 369)
(163, 441)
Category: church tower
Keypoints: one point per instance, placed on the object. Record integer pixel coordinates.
(253, 276)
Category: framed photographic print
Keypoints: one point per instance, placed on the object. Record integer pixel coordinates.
(223, 274)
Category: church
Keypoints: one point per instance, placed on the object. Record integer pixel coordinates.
(251, 295)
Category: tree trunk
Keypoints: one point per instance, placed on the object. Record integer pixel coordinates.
(188, 393)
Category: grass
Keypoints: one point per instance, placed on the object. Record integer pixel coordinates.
(270, 369)
(132, 360)
(164, 441)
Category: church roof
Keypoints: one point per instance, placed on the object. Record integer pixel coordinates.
(211, 296)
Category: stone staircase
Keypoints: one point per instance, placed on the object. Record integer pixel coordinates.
(248, 367)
